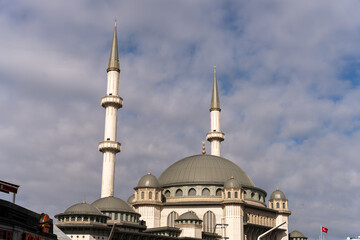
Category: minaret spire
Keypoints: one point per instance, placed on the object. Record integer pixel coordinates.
(114, 54)
(215, 103)
(215, 136)
(111, 102)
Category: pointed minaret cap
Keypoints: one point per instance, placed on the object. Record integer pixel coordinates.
(215, 103)
(114, 54)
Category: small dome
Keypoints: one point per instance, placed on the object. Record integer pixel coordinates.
(296, 234)
(188, 216)
(148, 180)
(277, 195)
(83, 208)
(112, 204)
(232, 183)
(131, 199)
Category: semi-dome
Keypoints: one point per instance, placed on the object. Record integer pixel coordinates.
(131, 199)
(203, 169)
(82, 209)
(148, 180)
(188, 216)
(296, 234)
(232, 183)
(108, 204)
(277, 195)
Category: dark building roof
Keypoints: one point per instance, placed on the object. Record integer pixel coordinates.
(108, 204)
(232, 183)
(148, 180)
(296, 234)
(277, 195)
(83, 209)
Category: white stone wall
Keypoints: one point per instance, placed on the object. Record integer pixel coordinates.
(112, 83)
(151, 215)
(280, 219)
(190, 231)
(234, 219)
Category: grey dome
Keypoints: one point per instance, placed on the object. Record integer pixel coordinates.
(296, 234)
(83, 209)
(203, 169)
(188, 216)
(277, 195)
(131, 199)
(232, 183)
(148, 180)
(112, 204)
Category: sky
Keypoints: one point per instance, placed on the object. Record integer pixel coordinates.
(288, 74)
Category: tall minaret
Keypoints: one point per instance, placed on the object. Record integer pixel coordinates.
(111, 102)
(215, 136)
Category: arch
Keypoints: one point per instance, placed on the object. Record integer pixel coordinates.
(277, 205)
(205, 192)
(218, 192)
(150, 195)
(236, 194)
(171, 218)
(229, 194)
(209, 222)
(192, 192)
(167, 193)
(142, 195)
(178, 193)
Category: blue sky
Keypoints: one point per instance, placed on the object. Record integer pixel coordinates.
(288, 75)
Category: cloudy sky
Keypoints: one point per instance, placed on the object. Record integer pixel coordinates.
(288, 72)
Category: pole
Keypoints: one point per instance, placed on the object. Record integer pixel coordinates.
(265, 233)
(321, 236)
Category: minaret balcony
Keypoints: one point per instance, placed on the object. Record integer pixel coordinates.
(111, 100)
(109, 146)
(215, 136)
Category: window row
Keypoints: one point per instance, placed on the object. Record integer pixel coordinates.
(209, 220)
(122, 216)
(82, 219)
(150, 196)
(278, 205)
(192, 192)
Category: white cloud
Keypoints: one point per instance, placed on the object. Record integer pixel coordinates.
(290, 120)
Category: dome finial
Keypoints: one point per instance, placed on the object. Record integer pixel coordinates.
(115, 22)
(203, 148)
(149, 172)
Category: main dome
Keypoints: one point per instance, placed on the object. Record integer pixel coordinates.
(203, 169)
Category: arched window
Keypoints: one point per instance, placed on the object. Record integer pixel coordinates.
(156, 195)
(150, 195)
(167, 193)
(218, 192)
(205, 192)
(236, 194)
(277, 205)
(283, 205)
(272, 205)
(192, 192)
(209, 222)
(178, 193)
(229, 194)
(142, 195)
(171, 218)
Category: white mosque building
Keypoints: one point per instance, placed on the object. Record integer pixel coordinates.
(198, 197)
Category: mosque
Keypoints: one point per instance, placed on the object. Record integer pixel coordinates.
(198, 197)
